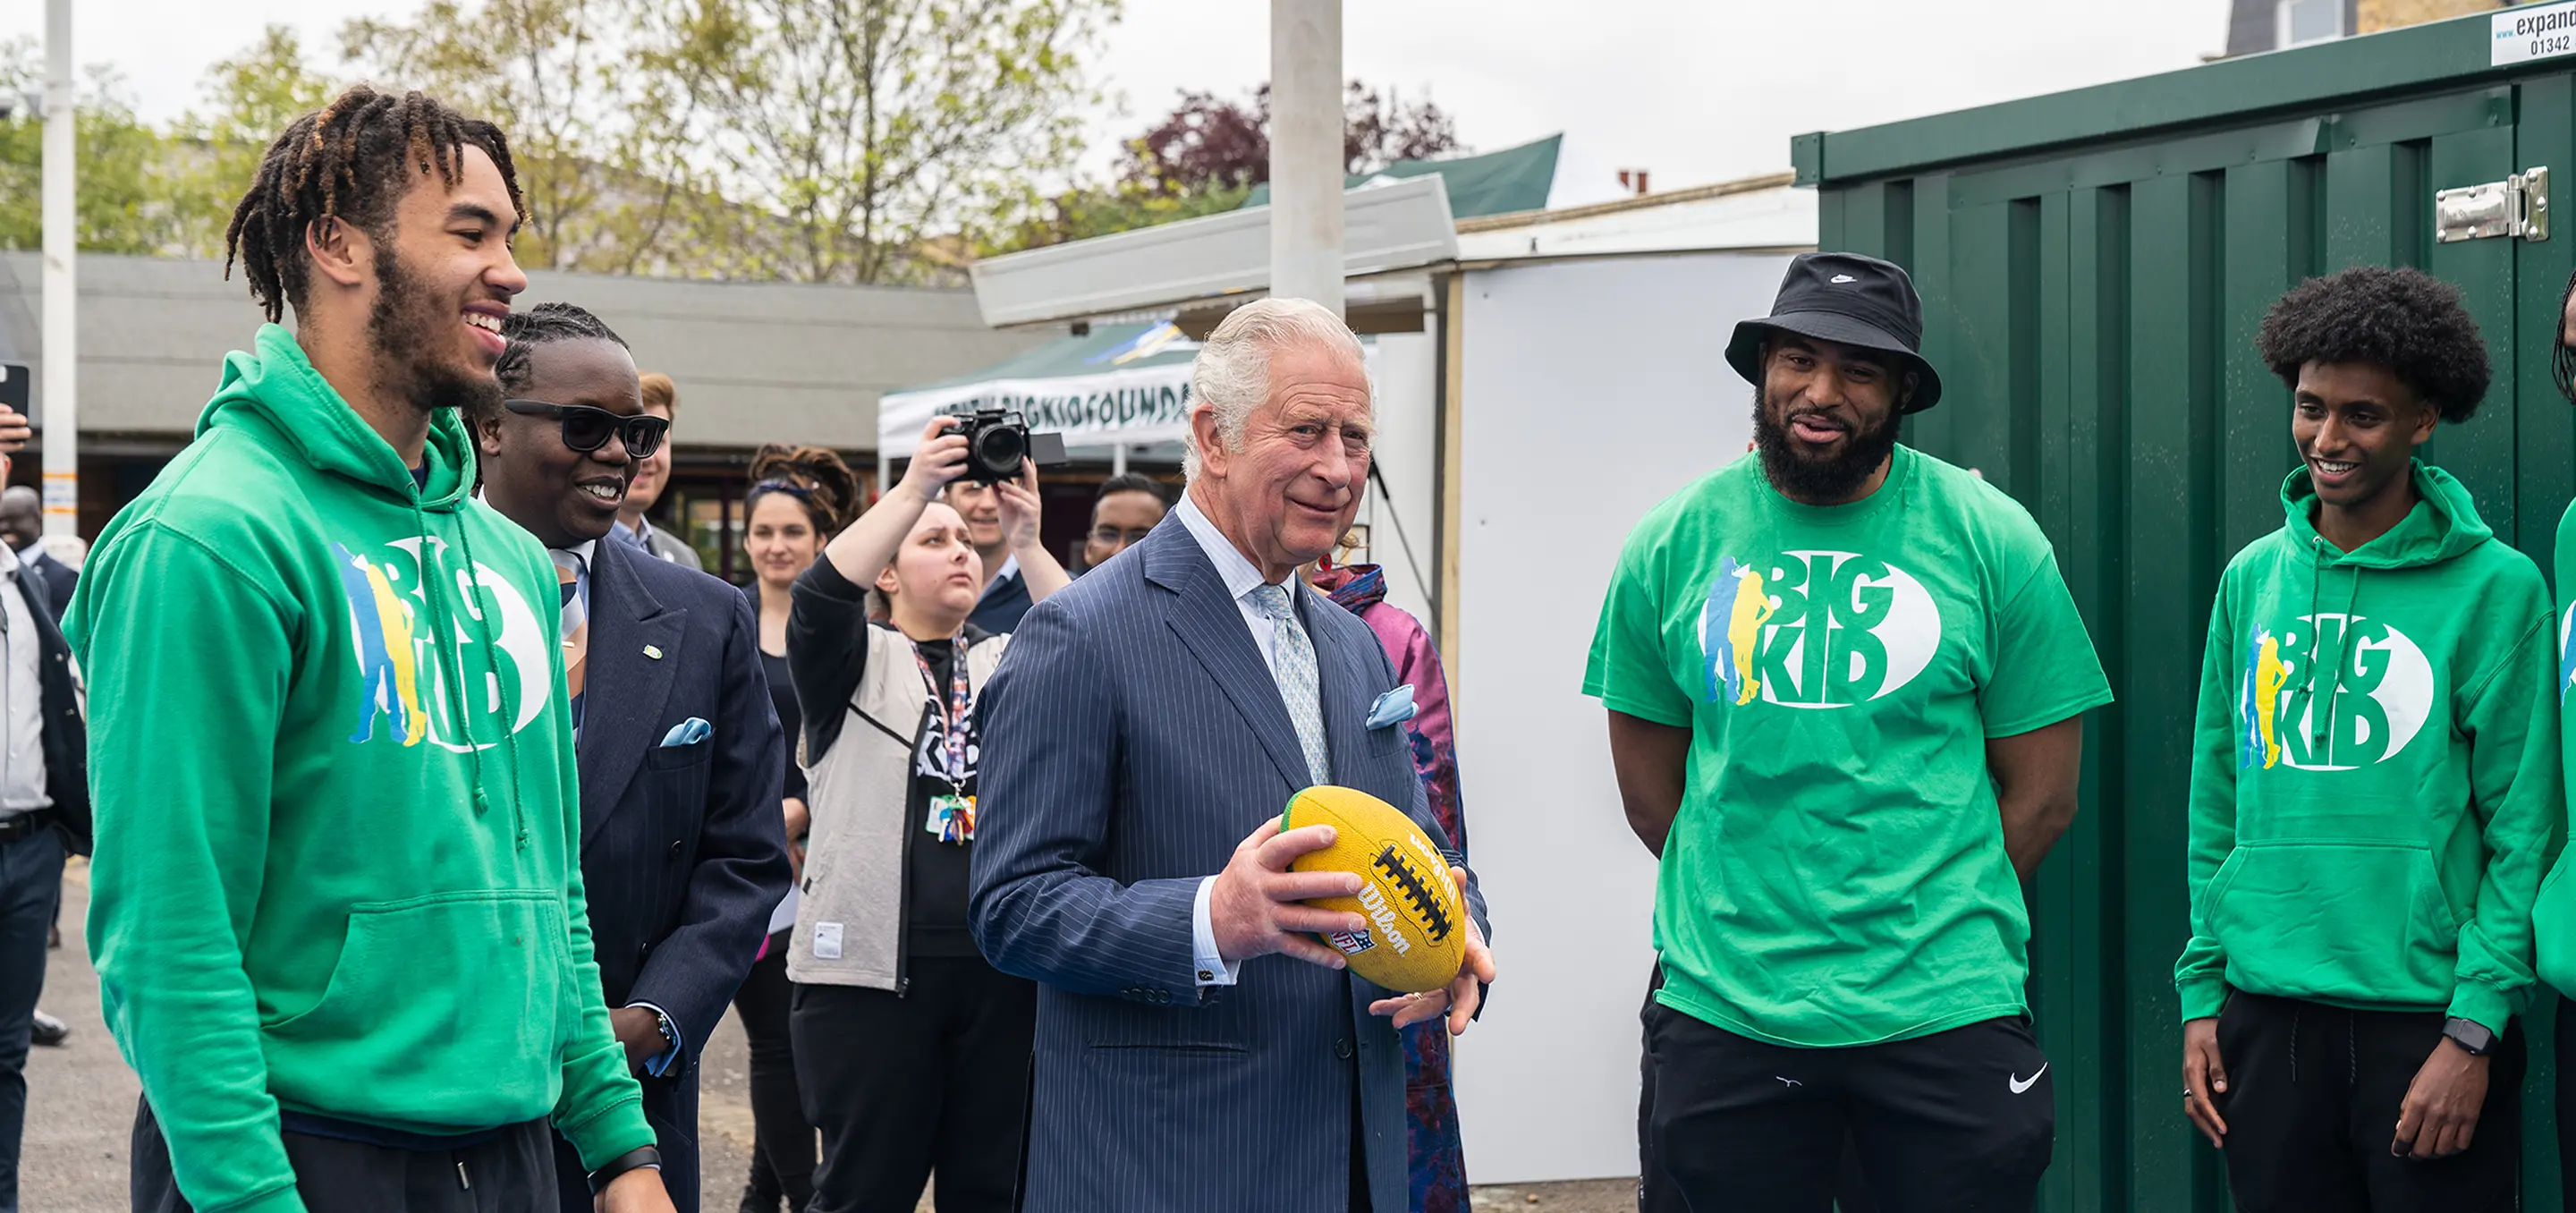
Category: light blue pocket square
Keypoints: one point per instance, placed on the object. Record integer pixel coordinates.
(688, 732)
(1394, 707)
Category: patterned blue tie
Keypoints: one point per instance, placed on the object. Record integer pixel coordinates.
(1293, 665)
(574, 576)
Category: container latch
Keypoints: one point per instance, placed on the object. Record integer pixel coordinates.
(2515, 206)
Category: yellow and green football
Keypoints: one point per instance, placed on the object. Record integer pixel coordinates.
(1417, 934)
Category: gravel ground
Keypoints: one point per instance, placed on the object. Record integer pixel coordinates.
(80, 1109)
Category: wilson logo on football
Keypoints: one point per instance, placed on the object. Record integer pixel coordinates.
(1428, 908)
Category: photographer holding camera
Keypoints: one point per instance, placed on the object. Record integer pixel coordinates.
(912, 1052)
(998, 443)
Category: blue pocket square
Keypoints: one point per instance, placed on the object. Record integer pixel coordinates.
(688, 732)
(1394, 707)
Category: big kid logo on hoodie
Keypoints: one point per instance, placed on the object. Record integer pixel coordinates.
(2293, 710)
(1815, 629)
(403, 680)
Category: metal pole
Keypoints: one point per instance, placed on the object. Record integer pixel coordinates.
(1118, 460)
(61, 351)
(1306, 151)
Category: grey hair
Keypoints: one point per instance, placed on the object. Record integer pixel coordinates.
(1231, 376)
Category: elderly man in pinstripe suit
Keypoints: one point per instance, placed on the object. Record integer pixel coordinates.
(1197, 1048)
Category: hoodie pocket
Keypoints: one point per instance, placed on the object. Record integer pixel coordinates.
(442, 1011)
(2335, 919)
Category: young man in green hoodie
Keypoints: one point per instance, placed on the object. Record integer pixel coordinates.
(2374, 788)
(336, 909)
(2554, 917)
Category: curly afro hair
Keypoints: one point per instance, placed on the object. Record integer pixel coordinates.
(2405, 320)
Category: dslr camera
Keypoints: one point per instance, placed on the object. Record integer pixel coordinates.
(996, 441)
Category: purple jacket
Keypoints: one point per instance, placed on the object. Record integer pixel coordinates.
(1437, 1168)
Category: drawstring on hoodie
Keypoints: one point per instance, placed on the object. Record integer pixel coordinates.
(452, 665)
(509, 711)
(2321, 722)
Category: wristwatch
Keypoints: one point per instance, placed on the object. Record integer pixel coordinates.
(2472, 1036)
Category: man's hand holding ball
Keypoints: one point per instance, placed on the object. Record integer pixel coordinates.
(1258, 906)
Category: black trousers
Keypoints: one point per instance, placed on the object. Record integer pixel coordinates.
(512, 1173)
(1957, 1121)
(2565, 1035)
(1656, 1192)
(782, 1154)
(902, 1085)
(30, 890)
(2313, 1095)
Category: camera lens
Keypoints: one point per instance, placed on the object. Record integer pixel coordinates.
(1000, 448)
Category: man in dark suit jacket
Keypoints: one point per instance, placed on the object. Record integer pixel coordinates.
(22, 526)
(683, 847)
(33, 839)
(1006, 593)
(1197, 1046)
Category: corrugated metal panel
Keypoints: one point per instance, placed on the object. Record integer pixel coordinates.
(2094, 266)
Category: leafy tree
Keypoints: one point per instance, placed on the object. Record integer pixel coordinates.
(122, 203)
(878, 130)
(250, 97)
(1207, 142)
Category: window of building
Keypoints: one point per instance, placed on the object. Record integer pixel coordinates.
(2302, 21)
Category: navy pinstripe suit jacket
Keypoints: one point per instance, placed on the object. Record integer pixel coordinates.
(1132, 737)
(683, 850)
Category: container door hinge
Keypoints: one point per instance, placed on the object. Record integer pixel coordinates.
(2516, 206)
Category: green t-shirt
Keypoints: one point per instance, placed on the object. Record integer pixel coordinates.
(1837, 873)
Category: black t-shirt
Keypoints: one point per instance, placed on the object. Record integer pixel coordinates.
(782, 698)
(827, 658)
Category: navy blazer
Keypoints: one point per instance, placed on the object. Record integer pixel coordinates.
(683, 848)
(1132, 737)
(66, 730)
(61, 580)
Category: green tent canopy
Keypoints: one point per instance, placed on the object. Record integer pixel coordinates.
(1495, 183)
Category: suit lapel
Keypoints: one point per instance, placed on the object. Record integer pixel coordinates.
(1211, 626)
(624, 689)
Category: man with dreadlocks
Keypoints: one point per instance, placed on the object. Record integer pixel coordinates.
(336, 907)
(2374, 788)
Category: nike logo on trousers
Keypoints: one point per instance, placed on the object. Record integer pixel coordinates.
(2020, 1084)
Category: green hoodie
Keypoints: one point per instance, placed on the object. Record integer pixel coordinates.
(2374, 779)
(326, 882)
(2554, 917)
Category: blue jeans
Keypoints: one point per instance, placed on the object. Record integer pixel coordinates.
(31, 879)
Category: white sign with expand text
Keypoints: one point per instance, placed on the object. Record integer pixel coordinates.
(2538, 31)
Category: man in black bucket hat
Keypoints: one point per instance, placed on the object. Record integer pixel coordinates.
(1845, 685)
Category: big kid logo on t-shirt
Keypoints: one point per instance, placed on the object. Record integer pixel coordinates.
(2372, 706)
(1813, 629)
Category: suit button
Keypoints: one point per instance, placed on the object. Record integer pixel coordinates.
(675, 848)
(1342, 1048)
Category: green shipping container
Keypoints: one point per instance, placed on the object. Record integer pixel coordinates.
(2093, 267)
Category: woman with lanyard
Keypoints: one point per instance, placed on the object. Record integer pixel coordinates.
(796, 504)
(912, 1052)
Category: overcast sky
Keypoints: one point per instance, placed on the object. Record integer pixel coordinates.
(1693, 92)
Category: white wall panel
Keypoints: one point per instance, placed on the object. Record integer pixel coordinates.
(1593, 390)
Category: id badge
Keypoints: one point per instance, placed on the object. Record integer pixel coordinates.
(952, 818)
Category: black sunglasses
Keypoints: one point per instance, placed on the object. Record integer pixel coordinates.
(587, 428)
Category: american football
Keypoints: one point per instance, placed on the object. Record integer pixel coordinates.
(1418, 932)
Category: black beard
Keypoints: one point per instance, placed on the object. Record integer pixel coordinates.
(405, 324)
(1827, 480)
